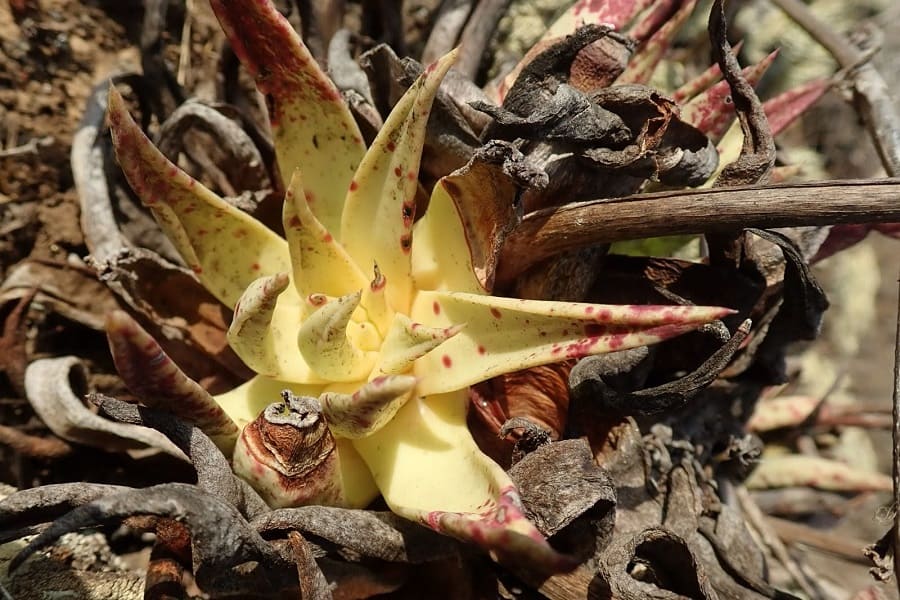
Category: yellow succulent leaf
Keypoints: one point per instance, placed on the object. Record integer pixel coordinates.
(441, 257)
(261, 331)
(367, 409)
(508, 334)
(320, 263)
(729, 148)
(224, 246)
(380, 207)
(328, 350)
(311, 124)
(407, 341)
(430, 470)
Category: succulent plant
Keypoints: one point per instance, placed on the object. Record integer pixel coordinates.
(365, 324)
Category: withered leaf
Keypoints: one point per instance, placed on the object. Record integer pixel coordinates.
(560, 482)
(380, 535)
(597, 380)
(22, 510)
(214, 474)
(800, 315)
(54, 387)
(230, 558)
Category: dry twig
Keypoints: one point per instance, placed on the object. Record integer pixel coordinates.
(551, 231)
(871, 95)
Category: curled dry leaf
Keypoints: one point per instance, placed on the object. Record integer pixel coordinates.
(214, 473)
(54, 387)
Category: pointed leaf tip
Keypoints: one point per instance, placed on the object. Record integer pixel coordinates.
(377, 222)
(224, 246)
(311, 124)
(329, 351)
(369, 408)
(152, 376)
(503, 335)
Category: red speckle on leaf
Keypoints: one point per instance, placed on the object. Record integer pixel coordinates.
(391, 146)
(595, 330)
(481, 350)
(240, 233)
(295, 222)
(405, 243)
(327, 238)
(447, 361)
(436, 307)
(310, 197)
(496, 313)
(197, 269)
(398, 171)
(410, 175)
(255, 266)
(317, 299)
(588, 310)
(353, 186)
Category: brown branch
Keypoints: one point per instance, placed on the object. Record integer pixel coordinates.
(545, 233)
(837, 544)
(871, 95)
(895, 537)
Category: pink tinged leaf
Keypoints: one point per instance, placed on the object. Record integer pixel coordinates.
(367, 409)
(312, 125)
(503, 531)
(320, 263)
(380, 208)
(325, 345)
(813, 471)
(648, 56)
(260, 332)
(503, 335)
(430, 470)
(225, 247)
(617, 13)
(785, 411)
(713, 111)
(703, 80)
(784, 109)
(152, 376)
(784, 173)
(407, 341)
(652, 19)
(888, 229)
